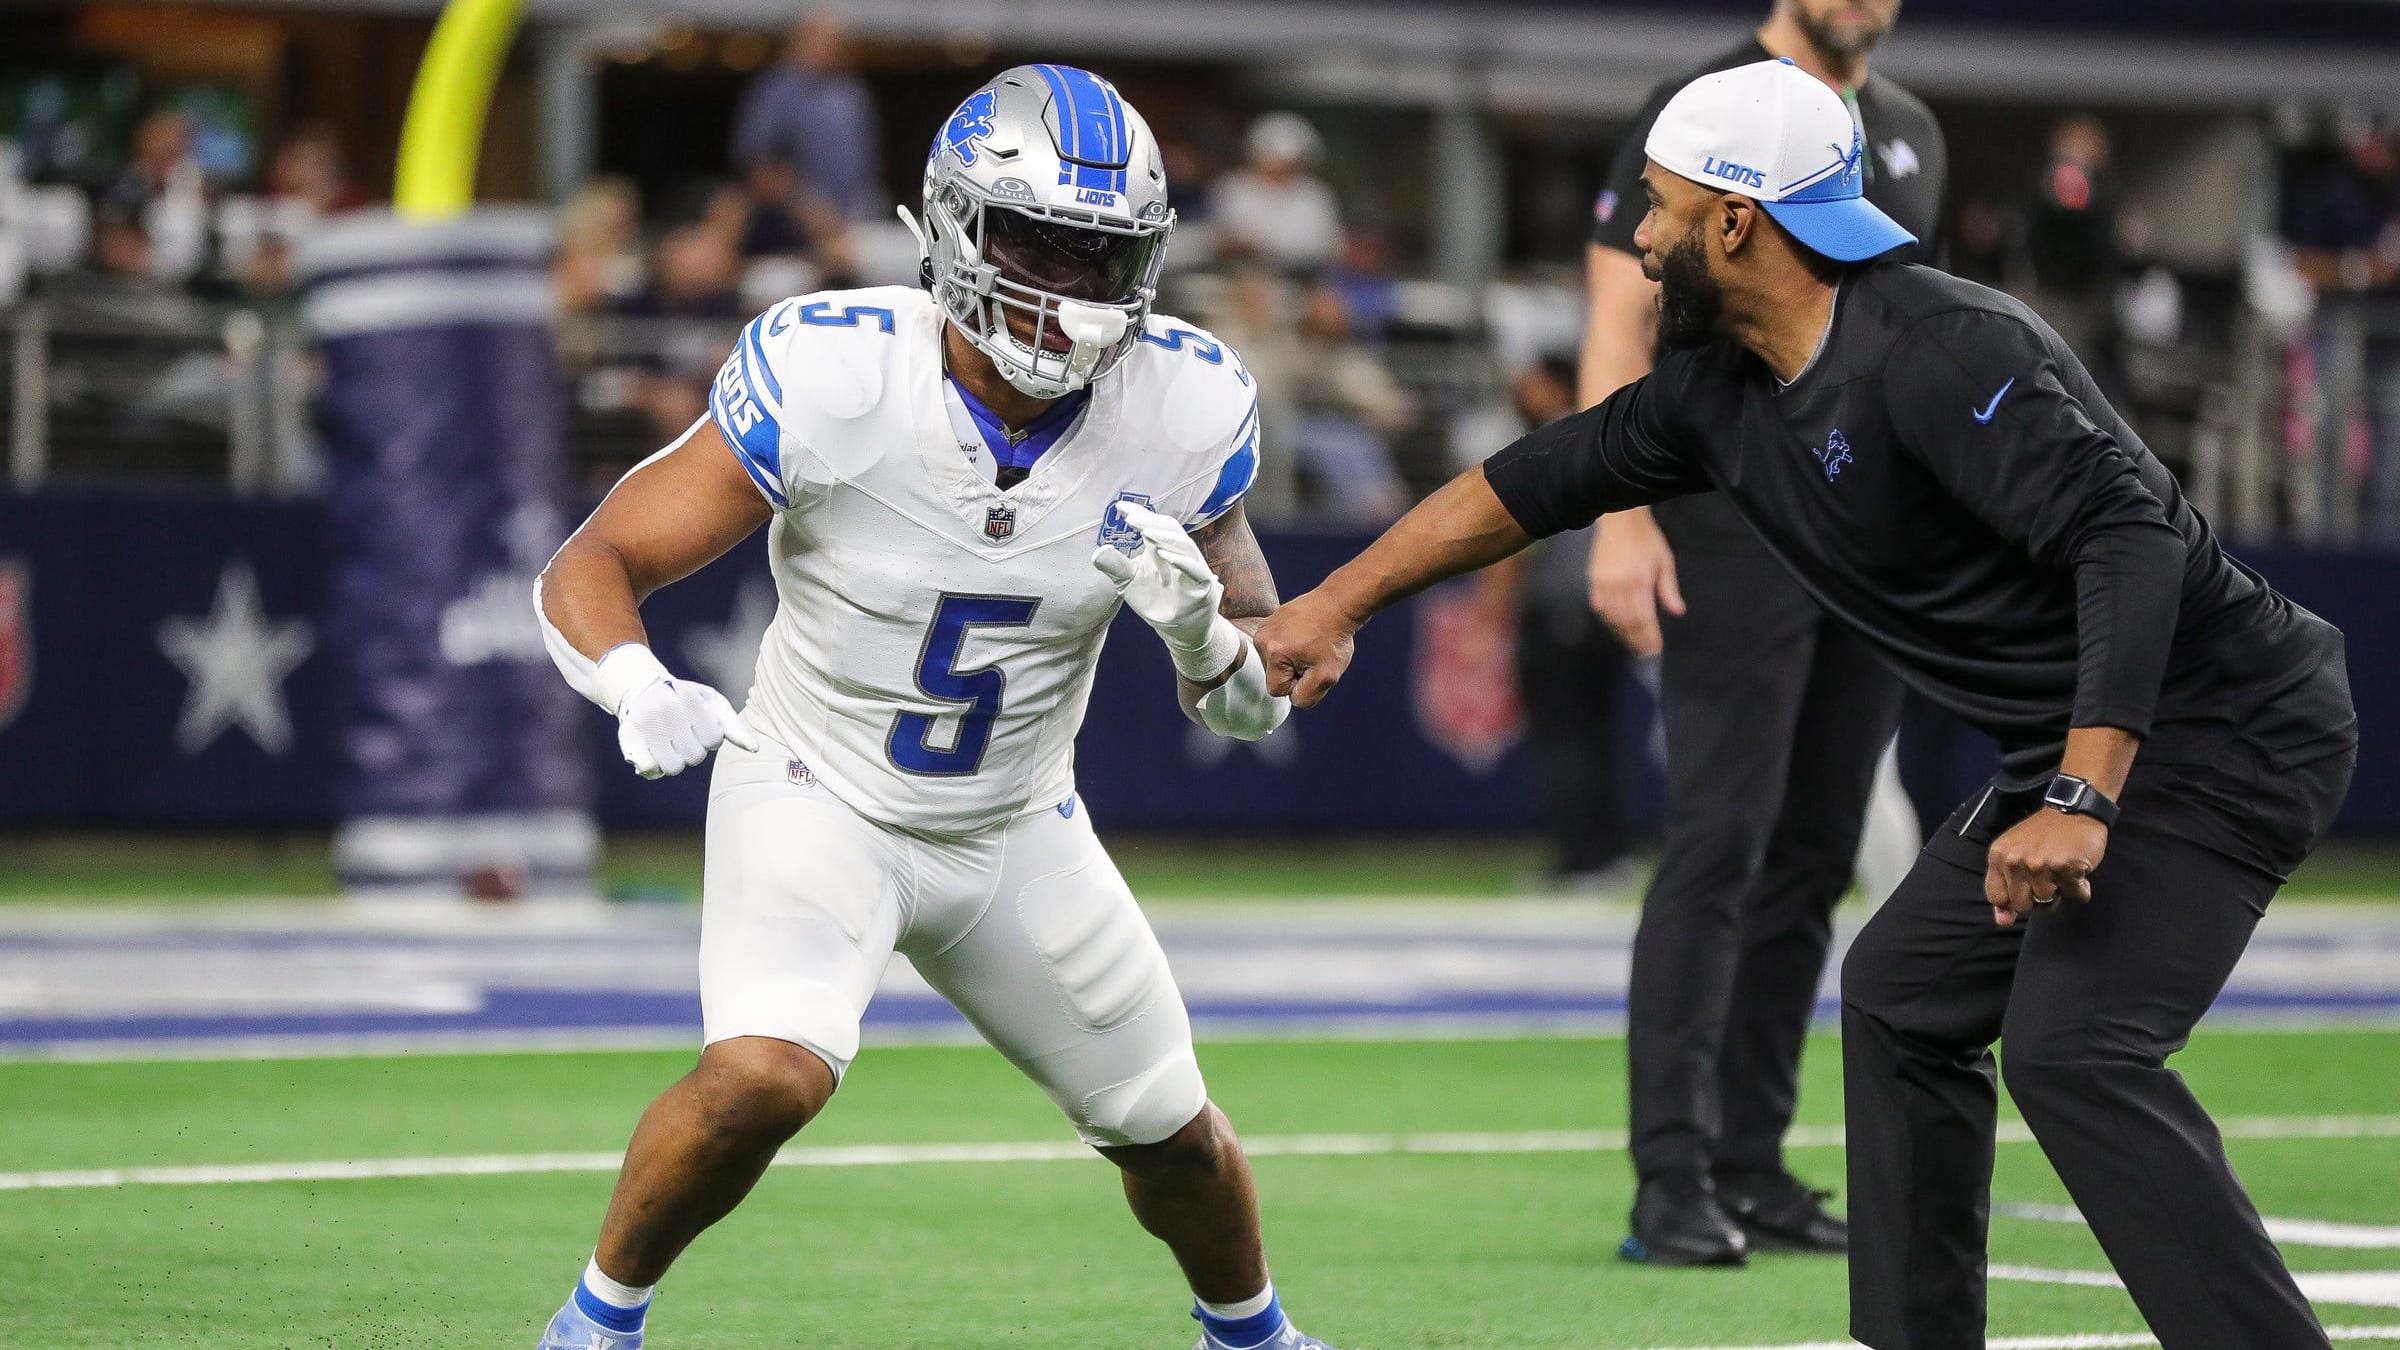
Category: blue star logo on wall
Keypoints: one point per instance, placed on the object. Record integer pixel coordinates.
(236, 659)
(1835, 454)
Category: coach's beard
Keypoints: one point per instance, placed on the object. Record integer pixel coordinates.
(1849, 40)
(1690, 302)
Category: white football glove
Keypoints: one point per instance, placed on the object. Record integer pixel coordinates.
(665, 725)
(1167, 581)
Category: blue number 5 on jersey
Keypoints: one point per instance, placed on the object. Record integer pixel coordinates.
(820, 314)
(910, 746)
(1176, 340)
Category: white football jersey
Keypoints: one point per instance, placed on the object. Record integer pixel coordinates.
(935, 637)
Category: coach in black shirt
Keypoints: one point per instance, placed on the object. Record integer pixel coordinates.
(1940, 473)
(1776, 719)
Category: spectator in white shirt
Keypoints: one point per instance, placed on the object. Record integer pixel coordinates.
(1276, 208)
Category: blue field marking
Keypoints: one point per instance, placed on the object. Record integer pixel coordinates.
(317, 979)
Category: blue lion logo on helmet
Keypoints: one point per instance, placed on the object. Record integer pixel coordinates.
(971, 125)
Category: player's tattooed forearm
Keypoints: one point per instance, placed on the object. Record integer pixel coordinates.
(1234, 555)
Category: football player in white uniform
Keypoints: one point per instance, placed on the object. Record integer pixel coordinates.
(960, 484)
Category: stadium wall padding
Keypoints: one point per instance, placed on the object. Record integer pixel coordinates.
(163, 663)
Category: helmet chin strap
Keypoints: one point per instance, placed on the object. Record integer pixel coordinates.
(924, 247)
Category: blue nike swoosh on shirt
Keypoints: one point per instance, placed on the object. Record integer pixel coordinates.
(779, 323)
(1994, 405)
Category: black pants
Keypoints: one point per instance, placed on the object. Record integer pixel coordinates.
(1569, 669)
(2090, 1001)
(1775, 719)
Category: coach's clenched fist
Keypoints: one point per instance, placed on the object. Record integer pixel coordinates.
(2047, 857)
(1306, 647)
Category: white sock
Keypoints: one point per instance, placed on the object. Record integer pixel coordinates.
(610, 1292)
(1234, 1312)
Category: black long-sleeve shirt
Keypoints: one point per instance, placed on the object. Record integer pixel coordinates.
(1945, 478)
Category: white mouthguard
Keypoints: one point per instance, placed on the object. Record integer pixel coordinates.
(1094, 329)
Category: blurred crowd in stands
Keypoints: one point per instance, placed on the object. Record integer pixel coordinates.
(1262, 255)
(1377, 384)
(164, 221)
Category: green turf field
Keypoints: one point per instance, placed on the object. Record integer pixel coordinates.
(1378, 1249)
(666, 866)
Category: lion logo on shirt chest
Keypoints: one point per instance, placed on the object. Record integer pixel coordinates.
(1834, 455)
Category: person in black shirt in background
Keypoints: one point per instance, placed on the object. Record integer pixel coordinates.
(2341, 217)
(1776, 718)
(1570, 678)
(1940, 473)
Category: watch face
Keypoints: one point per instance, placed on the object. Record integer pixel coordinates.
(2065, 796)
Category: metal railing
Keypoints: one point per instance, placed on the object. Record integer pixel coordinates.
(157, 387)
(2341, 443)
(2274, 437)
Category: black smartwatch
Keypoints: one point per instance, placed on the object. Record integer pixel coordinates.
(2075, 797)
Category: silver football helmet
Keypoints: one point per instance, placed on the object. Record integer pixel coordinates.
(1046, 220)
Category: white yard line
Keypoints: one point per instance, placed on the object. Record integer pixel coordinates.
(2089, 1279)
(891, 1155)
(356, 1169)
(863, 1155)
(2290, 1232)
(2357, 1288)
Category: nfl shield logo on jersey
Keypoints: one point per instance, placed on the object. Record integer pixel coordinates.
(16, 638)
(999, 522)
(1114, 531)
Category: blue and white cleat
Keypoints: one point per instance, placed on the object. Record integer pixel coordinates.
(574, 1329)
(1290, 1338)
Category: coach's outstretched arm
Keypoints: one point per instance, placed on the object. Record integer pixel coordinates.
(1630, 450)
(672, 515)
(1306, 644)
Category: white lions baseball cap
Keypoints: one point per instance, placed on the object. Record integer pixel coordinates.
(1776, 134)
